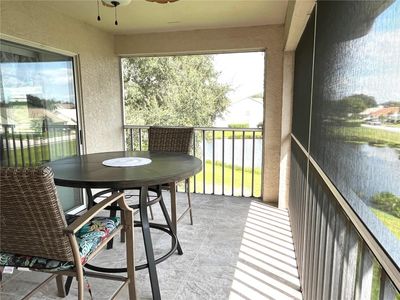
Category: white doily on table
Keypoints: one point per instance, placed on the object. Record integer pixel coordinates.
(121, 162)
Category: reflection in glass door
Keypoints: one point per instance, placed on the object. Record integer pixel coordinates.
(38, 110)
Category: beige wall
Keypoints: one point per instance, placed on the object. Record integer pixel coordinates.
(287, 104)
(268, 38)
(99, 67)
(100, 79)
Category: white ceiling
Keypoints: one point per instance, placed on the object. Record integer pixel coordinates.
(141, 16)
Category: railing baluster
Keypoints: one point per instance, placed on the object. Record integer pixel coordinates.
(35, 149)
(29, 149)
(71, 148)
(14, 147)
(140, 139)
(58, 143)
(233, 163)
(7, 147)
(62, 143)
(1, 150)
(50, 141)
(252, 165)
(138, 143)
(204, 163)
(243, 164)
(213, 162)
(22, 149)
(223, 162)
(41, 147)
(131, 139)
(194, 154)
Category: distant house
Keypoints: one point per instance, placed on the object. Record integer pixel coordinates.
(385, 112)
(391, 114)
(367, 112)
(244, 111)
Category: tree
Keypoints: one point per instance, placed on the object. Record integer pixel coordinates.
(174, 90)
(387, 202)
(36, 102)
(357, 103)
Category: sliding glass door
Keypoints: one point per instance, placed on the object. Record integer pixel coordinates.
(39, 119)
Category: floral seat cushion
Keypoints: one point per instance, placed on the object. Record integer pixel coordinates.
(88, 237)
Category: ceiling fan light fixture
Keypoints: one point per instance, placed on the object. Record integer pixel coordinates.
(115, 3)
(162, 1)
(112, 4)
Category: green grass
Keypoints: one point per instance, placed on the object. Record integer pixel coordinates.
(37, 153)
(376, 281)
(390, 221)
(228, 180)
(376, 137)
(392, 125)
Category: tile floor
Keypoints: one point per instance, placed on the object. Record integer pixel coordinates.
(238, 248)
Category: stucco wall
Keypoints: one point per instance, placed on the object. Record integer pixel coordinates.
(287, 103)
(268, 38)
(99, 66)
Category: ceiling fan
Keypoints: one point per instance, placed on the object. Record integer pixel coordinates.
(115, 3)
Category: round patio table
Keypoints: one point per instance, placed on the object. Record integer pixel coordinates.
(87, 171)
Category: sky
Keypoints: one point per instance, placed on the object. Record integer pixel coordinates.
(372, 66)
(48, 80)
(243, 71)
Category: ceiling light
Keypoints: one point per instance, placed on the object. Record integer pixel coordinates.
(114, 4)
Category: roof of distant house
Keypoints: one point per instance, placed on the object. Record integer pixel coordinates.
(370, 110)
(386, 111)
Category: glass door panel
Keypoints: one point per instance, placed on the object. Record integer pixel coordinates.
(38, 110)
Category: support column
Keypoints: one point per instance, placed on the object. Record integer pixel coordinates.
(287, 104)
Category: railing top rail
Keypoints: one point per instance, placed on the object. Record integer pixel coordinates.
(198, 128)
(48, 126)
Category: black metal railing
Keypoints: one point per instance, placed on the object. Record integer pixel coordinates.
(337, 256)
(34, 148)
(232, 158)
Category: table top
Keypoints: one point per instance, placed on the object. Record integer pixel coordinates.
(87, 171)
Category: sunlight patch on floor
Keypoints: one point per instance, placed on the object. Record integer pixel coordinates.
(266, 267)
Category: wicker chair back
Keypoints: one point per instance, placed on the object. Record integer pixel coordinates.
(170, 139)
(31, 217)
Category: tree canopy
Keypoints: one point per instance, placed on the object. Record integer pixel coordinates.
(173, 90)
(350, 105)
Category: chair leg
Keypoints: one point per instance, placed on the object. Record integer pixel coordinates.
(113, 213)
(148, 245)
(187, 182)
(68, 283)
(169, 223)
(130, 253)
(174, 220)
(80, 280)
(122, 232)
(60, 286)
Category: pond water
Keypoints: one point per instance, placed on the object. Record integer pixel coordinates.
(362, 169)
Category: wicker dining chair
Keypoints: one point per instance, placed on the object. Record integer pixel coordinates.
(173, 139)
(34, 233)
